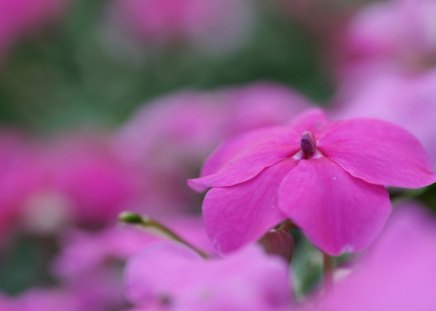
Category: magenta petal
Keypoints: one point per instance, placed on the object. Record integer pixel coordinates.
(242, 169)
(313, 120)
(235, 216)
(336, 211)
(247, 143)
(378, 152)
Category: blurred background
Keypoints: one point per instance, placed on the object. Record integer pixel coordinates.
(110, 105)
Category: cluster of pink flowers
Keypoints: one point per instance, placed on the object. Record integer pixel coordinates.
(278, 170)
(326, 178)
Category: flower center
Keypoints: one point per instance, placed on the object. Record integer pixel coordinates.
(308, 145)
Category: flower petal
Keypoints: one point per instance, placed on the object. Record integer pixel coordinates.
(235, 216)
(397, 274)
(336, 211)
(156, 272)
(242, 168)
(312, 120)
(378, 152)
(247, 143)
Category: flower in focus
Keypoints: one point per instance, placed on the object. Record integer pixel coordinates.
(173, 276)
(204, 25)
(397, 274)
(328, 178)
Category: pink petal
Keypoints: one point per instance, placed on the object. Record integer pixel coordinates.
(235, 216)
(313, 120)
(145, 278)
(247, 143)
(397, 274)
(378, 152)
(243, 168)
(336, 211)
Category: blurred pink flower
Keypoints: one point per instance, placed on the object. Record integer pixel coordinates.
(46, 186)
(397, 274)
(88, 174)
(327, 177)
(97, 257)
(394, 35)
(169, 138)
(83, 253)
(42, 300)
(214, 25)
(404, 100)
(21, 17)
(20, 175)
(88, 296)
(176, 278)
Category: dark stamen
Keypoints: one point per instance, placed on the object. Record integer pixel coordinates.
(308, 145)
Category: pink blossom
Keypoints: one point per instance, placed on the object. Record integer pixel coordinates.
(404, 100)
(21, 17)
(20, 175)
(174, 277)
(89, 175)
(46, 186)
(41, 300)
(328, 178)
(397, 274)
(167, 139)
(205, 25)
(394, 35)
(90, 295)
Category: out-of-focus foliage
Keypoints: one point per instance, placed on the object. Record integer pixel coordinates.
(72, 73)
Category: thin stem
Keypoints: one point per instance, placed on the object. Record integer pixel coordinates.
(151, 224)
(328, 266)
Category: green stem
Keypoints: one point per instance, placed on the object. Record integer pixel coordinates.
(153, 225)
(328, 265)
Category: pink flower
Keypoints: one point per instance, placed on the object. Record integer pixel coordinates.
(88, 296)
(89, 175)
(394, 35)
(205, 25)
(397, 274)
(20, 175)
(175, 278)
(329, 178)
(44, 300)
